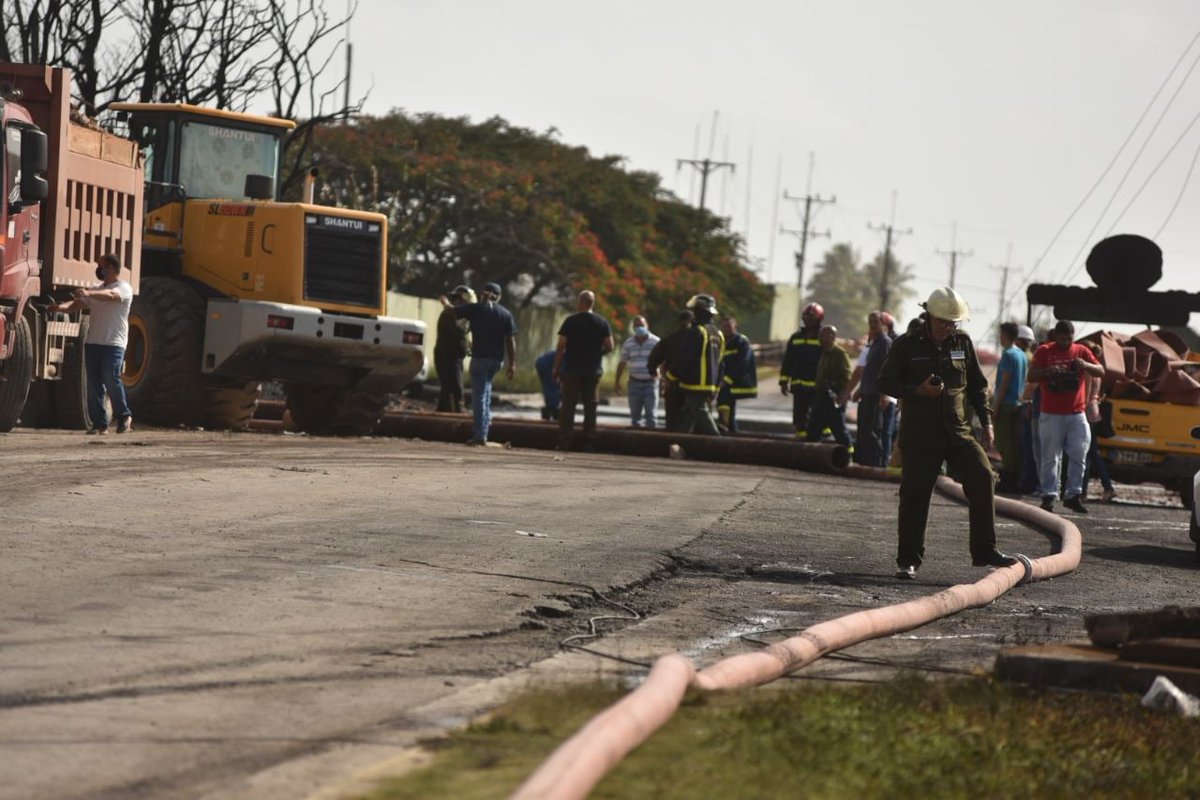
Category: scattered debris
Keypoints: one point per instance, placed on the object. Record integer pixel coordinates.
(1166, 696)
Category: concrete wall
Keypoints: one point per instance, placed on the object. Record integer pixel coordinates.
(779, 320)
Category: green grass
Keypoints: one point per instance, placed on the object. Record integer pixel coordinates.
(909, 738)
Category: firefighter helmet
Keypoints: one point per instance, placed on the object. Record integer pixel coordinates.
(947, 304)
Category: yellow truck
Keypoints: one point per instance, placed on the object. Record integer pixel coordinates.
(238, 287)
(1153, 442)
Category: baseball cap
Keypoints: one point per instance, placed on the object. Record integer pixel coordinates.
(492, 288)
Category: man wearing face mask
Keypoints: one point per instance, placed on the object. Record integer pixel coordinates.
(104, 348)
(643, 387)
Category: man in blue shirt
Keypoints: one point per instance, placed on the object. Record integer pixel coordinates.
(1010, 384)
(493, 342)
(583, 339)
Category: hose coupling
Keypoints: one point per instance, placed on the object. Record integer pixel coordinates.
(1028, 565)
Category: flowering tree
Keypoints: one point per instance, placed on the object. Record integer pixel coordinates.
(470, 203)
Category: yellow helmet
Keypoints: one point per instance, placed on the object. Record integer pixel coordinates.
(947, 304)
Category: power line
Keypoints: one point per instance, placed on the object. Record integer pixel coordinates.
(1112, 162)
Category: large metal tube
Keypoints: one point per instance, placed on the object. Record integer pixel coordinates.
(808, 456)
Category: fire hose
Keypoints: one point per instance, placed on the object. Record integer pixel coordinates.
(582, 761)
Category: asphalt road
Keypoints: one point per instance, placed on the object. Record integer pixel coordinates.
(191, 614)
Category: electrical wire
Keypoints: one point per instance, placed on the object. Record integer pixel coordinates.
(1028, 278)
(1179, 198)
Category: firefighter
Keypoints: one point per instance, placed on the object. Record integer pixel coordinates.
(739, 379)
(935, 372)
(660, 358)
(696, 368)
(798, 373)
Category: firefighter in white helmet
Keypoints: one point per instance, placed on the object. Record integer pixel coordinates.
(935, 372)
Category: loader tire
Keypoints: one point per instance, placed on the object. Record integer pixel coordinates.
(162, 359)
(70, 392)
(336, 411)
(16, 374)
(39, 407)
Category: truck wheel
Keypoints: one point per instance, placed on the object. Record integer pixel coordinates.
(70, 392)
(162, 358)
(336, 411)
(16, 373)
(231, 407)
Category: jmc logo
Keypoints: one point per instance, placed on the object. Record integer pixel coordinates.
(1132, 427)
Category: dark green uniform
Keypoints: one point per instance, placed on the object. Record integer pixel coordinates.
(936, 429)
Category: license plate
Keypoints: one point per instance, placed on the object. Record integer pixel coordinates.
(1132, 457)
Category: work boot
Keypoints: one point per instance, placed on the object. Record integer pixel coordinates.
(994, 559)
(907, 573)
(98, 430)
(1048, 502)
(125, 424)
(1075, 504)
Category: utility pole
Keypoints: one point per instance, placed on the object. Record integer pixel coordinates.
(808, 199)
(1002, 306)
(954, 253)
(803, 235)
(891, 232)
(349, 60)
(705, 166)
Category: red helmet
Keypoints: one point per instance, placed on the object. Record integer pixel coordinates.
(815, 310)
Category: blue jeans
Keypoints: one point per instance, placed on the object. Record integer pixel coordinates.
(643, 397)
(887, 430)
(103, 364)
(482, 372)
(1059, 434)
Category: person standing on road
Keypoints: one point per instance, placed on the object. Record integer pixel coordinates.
(935, 373)
(453, 345)
(1010, 385)
(696, 368)
(871, 441)
(660, 357)
(643, 385)
(583, 339)
(551, 392)
(1028, 482)
(1061, 369)
(493, 343)
(104, 348)
(798, 372)
(739, 379)
(832, 390)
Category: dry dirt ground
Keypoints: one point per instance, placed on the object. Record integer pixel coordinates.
(192, 614)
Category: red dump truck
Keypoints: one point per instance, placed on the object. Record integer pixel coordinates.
(72, 193)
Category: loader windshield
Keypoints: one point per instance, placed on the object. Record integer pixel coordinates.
(214, 160)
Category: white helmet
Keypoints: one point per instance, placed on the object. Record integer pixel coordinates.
(947, 304)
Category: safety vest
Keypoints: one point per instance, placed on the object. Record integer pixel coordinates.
(737, 364)
(696, 366)
(801, 358)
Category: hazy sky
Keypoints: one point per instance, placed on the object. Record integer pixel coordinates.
(999, 117)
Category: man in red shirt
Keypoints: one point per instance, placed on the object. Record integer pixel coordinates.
(1059, 366)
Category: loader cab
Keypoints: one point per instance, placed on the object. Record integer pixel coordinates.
(195, 153)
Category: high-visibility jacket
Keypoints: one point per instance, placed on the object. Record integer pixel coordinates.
(696, 366)
(801, 358)
(737, 365)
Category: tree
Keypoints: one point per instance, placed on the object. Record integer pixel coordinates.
(230, 54)
(849, 292)
(469, 203)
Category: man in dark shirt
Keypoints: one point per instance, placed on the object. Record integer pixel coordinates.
(660, 357)
(583, 339)
(935, 373)
(493, 341)
(872, 406)
(453, 345)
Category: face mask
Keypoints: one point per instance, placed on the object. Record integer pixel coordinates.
(640, 331)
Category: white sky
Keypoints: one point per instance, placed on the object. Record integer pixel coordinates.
(996, 116)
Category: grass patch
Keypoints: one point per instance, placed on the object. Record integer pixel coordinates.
(908, 738)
